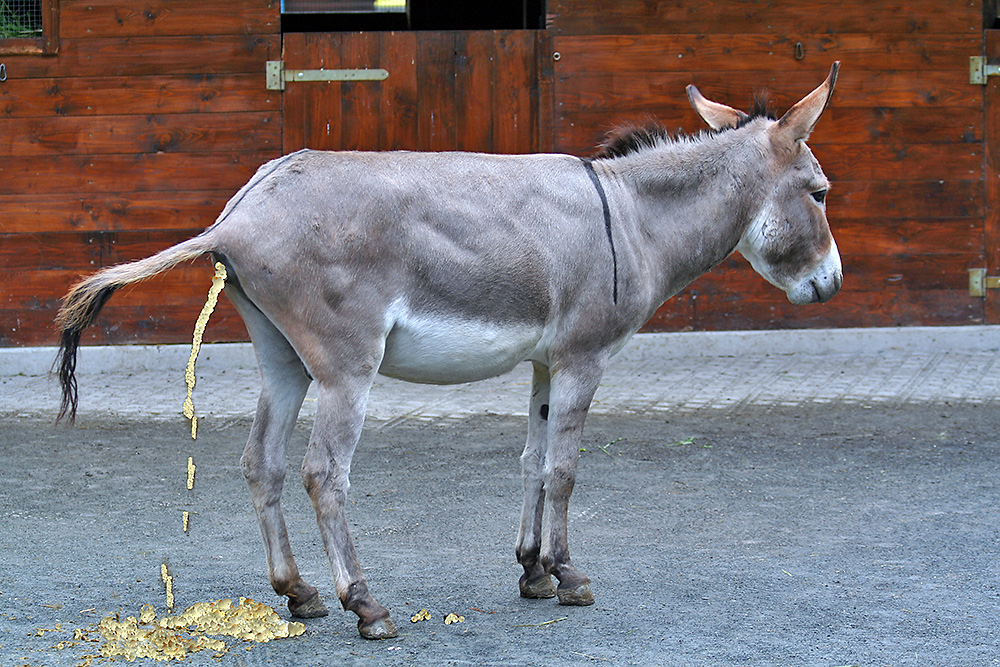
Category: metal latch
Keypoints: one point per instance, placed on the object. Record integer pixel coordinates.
(979, 282)
(278, 76)
(979, 69)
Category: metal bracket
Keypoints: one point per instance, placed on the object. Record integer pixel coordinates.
(979, 282)
(278, 76)
(979, 69)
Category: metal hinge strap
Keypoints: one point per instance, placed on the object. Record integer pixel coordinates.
(979, 282)
(979, 69)
(278, 76)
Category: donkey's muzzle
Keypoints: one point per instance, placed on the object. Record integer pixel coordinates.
(821, 284)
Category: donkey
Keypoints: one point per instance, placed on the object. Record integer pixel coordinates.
(454, 267)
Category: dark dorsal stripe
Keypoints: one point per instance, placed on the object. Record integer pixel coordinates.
(607, 223)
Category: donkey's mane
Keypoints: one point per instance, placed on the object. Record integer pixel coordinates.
(631, 138)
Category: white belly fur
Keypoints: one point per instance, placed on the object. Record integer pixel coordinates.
(441, 350)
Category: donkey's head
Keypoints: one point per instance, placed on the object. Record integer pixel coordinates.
(788, 239)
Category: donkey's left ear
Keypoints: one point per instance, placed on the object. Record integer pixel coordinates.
(715, 114)
(798, 123)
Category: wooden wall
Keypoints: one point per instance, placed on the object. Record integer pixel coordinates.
(902, 141)
(154, 113)
(131, 139)
(470, 91)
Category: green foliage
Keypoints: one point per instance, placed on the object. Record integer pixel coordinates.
(13, 23)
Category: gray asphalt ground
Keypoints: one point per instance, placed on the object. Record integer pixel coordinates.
(763, 498)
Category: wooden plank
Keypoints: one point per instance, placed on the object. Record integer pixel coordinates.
(41, 251)
(116, 325)
(475, 62)
(111, 18)
(901, 236)
(152, 133)
(148, 56)
(313, 110)
(515, 95)
(437, 116)
(95, 96)
(882, 200)
(360, 120)
(545, 54)
(991, 143)
(635, 54)
(400, 127)
(87, 175)
(46, 212)
(919, 17)
(916, 162)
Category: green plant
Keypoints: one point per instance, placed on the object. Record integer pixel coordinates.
(14, 23)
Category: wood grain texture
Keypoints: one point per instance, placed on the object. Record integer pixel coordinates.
(82, 19)
(472, 91)
(50, 97)
(131, 139)
(920, 17)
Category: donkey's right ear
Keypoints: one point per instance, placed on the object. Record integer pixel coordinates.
(718, 116)
(798, 123)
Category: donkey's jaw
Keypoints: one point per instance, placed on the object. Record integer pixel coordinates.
(822, 283)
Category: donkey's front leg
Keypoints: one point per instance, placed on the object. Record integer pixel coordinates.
(535, 582)
(325, 470)
(572, 389)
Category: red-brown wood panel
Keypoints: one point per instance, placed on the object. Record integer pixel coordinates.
(474, 91)
(590, 17)
(128, 140)
(991, 259)
(51, 97)
(903, 139)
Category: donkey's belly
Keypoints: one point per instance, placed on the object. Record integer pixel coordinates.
(447, 351)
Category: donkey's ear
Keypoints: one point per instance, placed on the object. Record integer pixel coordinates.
(716, 115)
(798, 123)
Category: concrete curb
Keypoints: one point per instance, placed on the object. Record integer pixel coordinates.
(36, 361)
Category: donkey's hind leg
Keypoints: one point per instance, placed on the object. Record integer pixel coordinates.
(284, 383)
(340, 415)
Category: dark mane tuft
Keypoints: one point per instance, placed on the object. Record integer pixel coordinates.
(760, 107)
(628, 138)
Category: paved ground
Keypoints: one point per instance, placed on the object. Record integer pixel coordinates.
(813, 498)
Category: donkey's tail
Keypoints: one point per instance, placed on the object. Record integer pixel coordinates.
(86, 298)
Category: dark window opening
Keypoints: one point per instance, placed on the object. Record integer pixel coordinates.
(357, 15)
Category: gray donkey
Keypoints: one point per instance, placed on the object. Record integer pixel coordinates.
(453, 267)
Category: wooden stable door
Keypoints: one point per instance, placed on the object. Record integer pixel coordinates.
(989, 278)
(475, 91)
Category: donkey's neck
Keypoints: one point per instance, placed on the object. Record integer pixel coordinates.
(693, 201)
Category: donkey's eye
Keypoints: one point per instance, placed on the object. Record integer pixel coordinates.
(819, 196)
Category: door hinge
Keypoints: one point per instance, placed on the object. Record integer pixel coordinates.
(979, 282)
(979, 69)
(278, 76)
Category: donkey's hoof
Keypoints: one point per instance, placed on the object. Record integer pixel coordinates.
(311, 608)
(537, 589)
(383, 628)
(580, 596)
